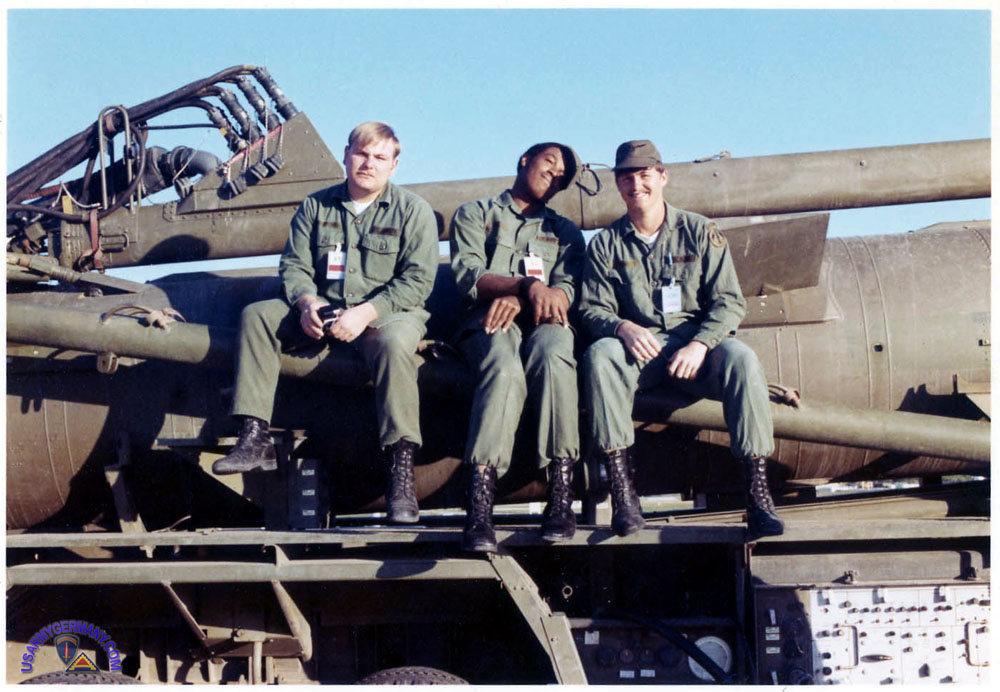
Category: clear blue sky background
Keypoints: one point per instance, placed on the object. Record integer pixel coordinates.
(468, 90)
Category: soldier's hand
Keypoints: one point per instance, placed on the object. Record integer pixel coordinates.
(550, 305)
(501, 314)
(686, 361)
(639, 341)
(309, 319)
(352, 322)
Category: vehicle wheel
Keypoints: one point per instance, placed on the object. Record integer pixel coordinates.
(64, 677)
(412, 675)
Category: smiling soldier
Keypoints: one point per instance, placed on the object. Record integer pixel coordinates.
(517, 265)
(367, 249)
(661, 296)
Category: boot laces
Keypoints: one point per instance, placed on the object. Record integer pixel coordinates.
(482, 502)
(401, 471)
(759, 491)
(622, 490)
(560, 500)
(560, 490)
(251, 435)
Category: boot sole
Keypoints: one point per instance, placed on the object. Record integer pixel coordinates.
(403, 519)
(628, 530)
(557, 537)
(479, 547)
(269, 465)
(751, 537)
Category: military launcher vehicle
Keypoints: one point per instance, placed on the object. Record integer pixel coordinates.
(877, 350)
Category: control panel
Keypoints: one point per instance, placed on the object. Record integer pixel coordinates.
(876, 635)
(622, 655)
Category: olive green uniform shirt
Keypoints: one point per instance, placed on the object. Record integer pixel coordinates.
(623, 276)
(390, 251)
(526, 364)
(622, 280)
(390, 258)
(490, 236)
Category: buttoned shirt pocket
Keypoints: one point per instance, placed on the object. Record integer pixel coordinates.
(547, 248)
(686, 275)
(329, 234)
(378, 255)
(500, 250)
(632, 290)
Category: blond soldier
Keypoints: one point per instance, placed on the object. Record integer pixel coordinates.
(367, 249)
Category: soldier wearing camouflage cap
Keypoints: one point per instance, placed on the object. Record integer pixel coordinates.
(661, 297)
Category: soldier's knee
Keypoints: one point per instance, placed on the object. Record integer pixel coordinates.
(504, 365)
(394, 342)
(552, 349)
(388, 346)
(603, 354)
(256, 317)
(553, 336)
(251, 313)
(738, 359)
(503, 369)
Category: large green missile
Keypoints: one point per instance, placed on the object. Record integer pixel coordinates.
(214, 347)
(205, 225)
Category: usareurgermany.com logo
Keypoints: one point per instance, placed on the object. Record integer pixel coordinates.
(65, 635)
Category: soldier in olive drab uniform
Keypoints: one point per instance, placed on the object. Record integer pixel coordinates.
(517, 265)
(368, 248)
(661, 296)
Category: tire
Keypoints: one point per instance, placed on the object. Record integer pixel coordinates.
(412, 675)
(64, 677)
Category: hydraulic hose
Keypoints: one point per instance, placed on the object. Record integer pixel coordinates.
(77, 218)
(265, 116)
(22, 182)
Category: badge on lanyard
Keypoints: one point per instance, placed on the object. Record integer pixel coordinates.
(534, 267)
(335, 262)
(670, 297)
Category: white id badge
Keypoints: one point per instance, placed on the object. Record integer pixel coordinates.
(670, 297)
(534, 267)
(335, 262)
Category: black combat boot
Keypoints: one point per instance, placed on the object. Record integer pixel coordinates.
(253, 451)
(478, 535)
(762, 517)
(400, 495)
(558, 519)
(626, 512)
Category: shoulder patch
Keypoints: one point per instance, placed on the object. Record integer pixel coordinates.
(715, 236)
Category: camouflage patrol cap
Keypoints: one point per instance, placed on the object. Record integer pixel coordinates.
(637, 153)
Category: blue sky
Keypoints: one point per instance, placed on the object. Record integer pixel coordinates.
(468, 90)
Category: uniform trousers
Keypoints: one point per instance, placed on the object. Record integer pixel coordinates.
(387, 347)
(731, 373)
(511, 368)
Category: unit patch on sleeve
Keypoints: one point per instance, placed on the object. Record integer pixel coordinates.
(715, 236)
